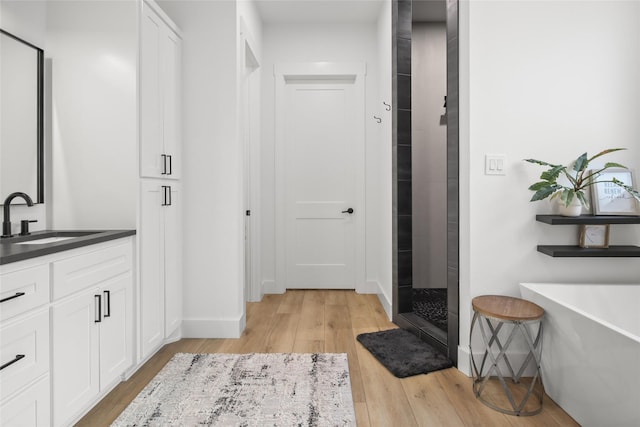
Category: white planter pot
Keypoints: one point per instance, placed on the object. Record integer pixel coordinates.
(574, 209)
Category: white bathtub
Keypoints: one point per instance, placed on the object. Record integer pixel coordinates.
(591, 350)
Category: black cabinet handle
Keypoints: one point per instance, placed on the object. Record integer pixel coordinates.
(18, 357)
(98, 306)
(164, 164)
(18, 294)
(166, 195)
(349, 211)
(170, 165)
(107, 303)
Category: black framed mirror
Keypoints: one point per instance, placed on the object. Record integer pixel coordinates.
(21, 117)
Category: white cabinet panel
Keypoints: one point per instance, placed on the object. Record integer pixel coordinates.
(90, 269)
(76, 349)
(160, 299)
(23, 290)
(160, 131)
(116, 332)
(29, 408)
(26, 343)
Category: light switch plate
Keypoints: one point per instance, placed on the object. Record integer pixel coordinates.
(495, 164)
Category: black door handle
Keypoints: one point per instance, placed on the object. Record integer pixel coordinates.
(349, 211)
(15, 359)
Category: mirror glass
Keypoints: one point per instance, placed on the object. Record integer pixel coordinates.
(21, 113)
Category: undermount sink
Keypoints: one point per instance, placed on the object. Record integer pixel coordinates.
(51, 237)
(44, 240)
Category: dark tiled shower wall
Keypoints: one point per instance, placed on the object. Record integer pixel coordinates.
(402, 215)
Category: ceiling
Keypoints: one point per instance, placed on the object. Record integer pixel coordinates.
(341, 11)
(318, 11)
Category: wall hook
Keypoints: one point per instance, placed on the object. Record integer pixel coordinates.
(378, 119)
(387, 105)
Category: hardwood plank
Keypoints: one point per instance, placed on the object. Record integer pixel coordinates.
(293, 322)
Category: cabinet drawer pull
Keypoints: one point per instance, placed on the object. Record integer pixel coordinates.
(98, 308)
(164, 164)
(107, 303)
(170, 165)
(18, 294)
(18, 357)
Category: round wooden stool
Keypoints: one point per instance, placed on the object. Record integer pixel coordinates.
(492, 314)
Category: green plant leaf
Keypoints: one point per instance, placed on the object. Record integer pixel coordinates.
(539, 162)
(544, 192)
(581, 163)
(607, 151)
(539, 185)
(567, 196)
(552, 174)
(614, 165)
(583, 199)
(634, 193)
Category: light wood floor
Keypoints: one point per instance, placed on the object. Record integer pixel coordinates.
(308, 321)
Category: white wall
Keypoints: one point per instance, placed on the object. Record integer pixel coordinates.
(547, 80)
(429, 154)
(27, 20)
(212, 182)
(92, 47)
(383, 169)
(311, 43)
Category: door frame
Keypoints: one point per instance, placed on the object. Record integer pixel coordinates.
(301, 71)
(249, 131)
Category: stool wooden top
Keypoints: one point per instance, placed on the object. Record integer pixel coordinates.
(506, 308)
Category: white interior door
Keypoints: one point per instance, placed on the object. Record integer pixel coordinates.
(322, 157)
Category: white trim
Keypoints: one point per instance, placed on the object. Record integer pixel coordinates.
(318, 70)
(386, 304)
(162, 15)
(214, 328)
(269, 287)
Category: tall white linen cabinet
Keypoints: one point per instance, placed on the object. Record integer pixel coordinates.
(159, 231)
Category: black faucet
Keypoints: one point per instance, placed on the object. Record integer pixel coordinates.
(6, 223)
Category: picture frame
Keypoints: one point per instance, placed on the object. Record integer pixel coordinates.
(594, 236)
(608, 198)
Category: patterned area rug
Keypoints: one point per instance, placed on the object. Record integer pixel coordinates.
(274, 389)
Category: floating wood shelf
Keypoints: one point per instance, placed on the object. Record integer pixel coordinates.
(560, 251)
(563, 251)
(587, 219)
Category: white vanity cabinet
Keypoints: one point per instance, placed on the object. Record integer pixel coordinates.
(24, 345)
(160, 63)
(92, 326)
(160, 302)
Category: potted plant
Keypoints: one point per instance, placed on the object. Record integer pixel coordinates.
(580, 177)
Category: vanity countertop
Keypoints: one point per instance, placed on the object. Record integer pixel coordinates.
(13, 249)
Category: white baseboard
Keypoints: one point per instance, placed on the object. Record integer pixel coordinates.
(269, 287)
(515, 358)
(384, 299)
(214, 328)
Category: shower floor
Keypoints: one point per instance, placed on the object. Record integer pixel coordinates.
(431, 305)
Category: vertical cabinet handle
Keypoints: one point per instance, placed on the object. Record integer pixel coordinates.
(98, 309)
(17, 294)
(164, 164)
(11, 362)
(107, 303)
(166, 195)
(170, 165)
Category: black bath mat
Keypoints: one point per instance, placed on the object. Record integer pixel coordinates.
(403, 353)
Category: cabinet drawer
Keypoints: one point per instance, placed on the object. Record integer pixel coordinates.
(27, 343)
(30, 408)
(90, 269)
(23, 290)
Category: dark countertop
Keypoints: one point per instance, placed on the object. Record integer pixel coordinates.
(12, 252)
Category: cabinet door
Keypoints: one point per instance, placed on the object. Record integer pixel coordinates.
(151, 240)
(173, 262)
(116, 336)
(75, 354)
(151, 115)
(171, 58)
(29, 408)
